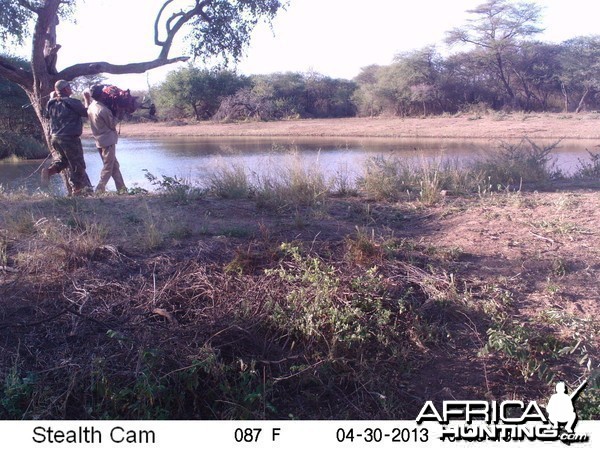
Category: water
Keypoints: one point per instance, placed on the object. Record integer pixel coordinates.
(193, 158)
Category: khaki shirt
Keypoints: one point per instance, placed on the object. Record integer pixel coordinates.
(103, 124)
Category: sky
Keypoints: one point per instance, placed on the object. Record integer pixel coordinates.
(333, 37)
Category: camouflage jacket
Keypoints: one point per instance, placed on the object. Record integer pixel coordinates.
(65, 116)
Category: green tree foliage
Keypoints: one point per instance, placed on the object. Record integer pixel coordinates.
(195, 92)
(496, 29)
(328, 97)
(536, 68)
(465, 81)
(292, 95)
(16, 113)
(20, 132)
(13, 22)
(366, 97)
(284, 92)
(408, 86)
(305, 95)
(580, 71)
(223, 27)
(223, 95)
(245, 104)
(500, 67)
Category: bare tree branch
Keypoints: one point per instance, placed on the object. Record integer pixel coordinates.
(180, 18)
(171, 19)
(94, 68)
(157, 40)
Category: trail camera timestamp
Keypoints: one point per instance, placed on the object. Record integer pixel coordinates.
(381, 435)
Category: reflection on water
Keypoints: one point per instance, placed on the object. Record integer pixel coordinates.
(194, 158)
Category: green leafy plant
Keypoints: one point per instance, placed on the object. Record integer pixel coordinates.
(590, 168)
(16, 393)
(528, 350)
(175, 188)
(318, 305)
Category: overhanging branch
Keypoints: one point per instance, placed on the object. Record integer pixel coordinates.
(94, 68)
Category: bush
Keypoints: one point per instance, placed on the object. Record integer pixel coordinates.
(589, 169)
(384, 178)
(26, 147)
(518, 163)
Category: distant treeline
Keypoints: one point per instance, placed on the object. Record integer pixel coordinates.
(499, 66)
(535, 77)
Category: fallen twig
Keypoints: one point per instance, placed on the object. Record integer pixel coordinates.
(539, 236)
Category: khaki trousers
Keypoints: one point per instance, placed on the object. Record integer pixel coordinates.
(110, 169)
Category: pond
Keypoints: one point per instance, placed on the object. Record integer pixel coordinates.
(193, 158)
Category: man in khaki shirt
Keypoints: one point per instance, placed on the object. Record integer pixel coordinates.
(104, 129)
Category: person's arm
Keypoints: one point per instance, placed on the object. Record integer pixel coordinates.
(87, 97)
(77, 106)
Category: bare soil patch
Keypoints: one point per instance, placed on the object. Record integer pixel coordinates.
(496, 126)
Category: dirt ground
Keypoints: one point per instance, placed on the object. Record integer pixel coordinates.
(492, 126)
(545, 248)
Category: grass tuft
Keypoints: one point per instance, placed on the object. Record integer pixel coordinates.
(229, 182)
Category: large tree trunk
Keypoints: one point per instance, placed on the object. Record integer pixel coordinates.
(582, 101)
(43, 64)
(563, 88)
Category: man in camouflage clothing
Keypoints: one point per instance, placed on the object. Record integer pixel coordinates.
(66, 125)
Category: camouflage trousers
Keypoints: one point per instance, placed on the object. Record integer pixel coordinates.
(67, 153)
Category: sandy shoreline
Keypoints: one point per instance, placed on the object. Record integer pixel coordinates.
(542, 126)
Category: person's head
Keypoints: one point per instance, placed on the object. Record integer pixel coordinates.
(560, 387)
(63, 88)
(96, 92)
